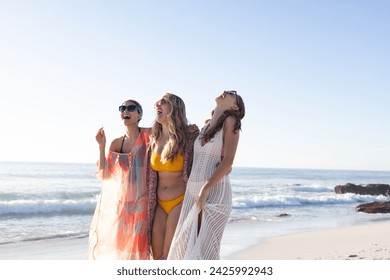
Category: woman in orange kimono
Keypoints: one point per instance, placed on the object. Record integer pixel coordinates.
(122, 221)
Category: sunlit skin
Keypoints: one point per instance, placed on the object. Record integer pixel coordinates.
(170, 186)
(223, 102)
(130, 121)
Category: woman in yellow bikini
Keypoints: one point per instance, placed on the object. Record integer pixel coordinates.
(171, 152)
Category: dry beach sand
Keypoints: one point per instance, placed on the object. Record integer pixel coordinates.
(361, 242)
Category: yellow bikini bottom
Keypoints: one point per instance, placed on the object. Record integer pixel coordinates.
(170, 204)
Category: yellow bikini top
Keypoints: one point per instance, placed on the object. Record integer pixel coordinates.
(176, 165)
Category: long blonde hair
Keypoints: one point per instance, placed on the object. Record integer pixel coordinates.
(177, 128)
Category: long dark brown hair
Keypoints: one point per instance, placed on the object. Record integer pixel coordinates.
(238, 115)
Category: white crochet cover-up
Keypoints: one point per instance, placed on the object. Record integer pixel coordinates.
(187, 244)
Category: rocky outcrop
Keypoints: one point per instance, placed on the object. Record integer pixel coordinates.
(370, 189)
(282, 215)
(374, 207)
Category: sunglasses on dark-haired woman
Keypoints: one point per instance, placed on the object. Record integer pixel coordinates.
(130, 108)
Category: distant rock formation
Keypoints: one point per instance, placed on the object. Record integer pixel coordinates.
(282, 215)
(370, 189)
(374, 207)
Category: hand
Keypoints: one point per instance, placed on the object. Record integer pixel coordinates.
(203, 194)
(101, 137)
(192, 129)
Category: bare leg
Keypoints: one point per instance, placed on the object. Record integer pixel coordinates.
(199, 221)
(173, 219)
(158, 232)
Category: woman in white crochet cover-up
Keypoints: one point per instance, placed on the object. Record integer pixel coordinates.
(208, 197)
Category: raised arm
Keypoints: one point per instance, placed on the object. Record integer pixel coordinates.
(101, 140)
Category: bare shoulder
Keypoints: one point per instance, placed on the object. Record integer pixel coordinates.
(116, 144)
(229, 128)
(230, 122)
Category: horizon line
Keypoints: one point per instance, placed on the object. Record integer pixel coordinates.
(234, 166)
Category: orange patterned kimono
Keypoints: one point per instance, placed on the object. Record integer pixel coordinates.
(120, 226)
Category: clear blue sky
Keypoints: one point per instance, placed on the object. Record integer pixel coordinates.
(314, 75)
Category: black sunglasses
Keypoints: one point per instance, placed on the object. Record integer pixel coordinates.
(230, 92)
(130, 108)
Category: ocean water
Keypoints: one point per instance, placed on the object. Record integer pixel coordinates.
(54, 200)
